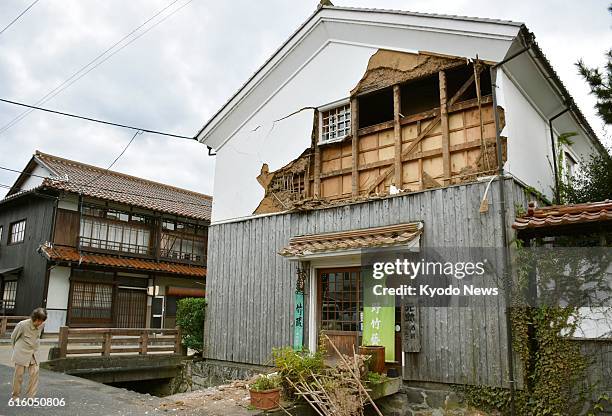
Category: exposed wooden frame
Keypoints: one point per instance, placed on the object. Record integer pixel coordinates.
(397, 132)
(385, 174)
(444, 124)
(354, 146)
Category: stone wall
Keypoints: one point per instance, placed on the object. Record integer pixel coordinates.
(199, 374)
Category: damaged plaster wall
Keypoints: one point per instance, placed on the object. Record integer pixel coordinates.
(386, 68)
(294, 186)
(238, 163)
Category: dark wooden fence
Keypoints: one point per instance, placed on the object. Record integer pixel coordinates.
(109, 341)
(7, 323)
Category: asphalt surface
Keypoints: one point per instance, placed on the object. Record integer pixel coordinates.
(81, 396)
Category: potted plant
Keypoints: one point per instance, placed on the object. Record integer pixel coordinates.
(265, 392)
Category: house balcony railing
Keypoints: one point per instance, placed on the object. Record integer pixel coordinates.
(106, 245)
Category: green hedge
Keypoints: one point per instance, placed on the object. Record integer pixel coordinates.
(190, 317)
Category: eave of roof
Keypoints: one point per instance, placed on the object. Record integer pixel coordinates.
(388, 236)
(564, 215)
(72, 255)
(529, 38)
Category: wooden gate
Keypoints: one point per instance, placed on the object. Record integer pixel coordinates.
(131, 308)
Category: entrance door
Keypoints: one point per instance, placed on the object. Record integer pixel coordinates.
(131, 308)
(340, 307)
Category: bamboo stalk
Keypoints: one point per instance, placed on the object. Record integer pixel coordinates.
(354, 376)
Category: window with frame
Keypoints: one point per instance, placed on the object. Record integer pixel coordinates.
(17, 232)
(340, 300)
(1, 230)
(115, 230)
(570, 166)
(335, 123)
(183, 241)
(91, 301)
(9, 294)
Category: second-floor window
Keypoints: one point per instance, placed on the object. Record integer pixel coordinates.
(183, 241)
(17, 232)
(335, 123)
(109, 229)
(570, 166)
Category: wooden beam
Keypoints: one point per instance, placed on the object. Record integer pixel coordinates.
(316, 192)
(385, 174)
(397, 132)
(354, 147)
(445, 134)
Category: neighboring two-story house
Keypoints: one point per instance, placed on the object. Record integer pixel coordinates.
(99, 248)
(379, 128)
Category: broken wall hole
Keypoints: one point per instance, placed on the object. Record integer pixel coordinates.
(414, 121)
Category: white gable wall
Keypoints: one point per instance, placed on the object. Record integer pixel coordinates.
(327, 57)
(34, 181)
(327, 77)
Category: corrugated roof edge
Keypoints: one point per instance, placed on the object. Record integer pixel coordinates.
(319, 8)
(124, 175)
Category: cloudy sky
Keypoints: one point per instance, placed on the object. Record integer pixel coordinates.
(195, 55)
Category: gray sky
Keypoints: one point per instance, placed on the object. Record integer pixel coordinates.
(178, 74)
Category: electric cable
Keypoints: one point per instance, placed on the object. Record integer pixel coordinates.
(19, 16)
(95, 120)
(78, 75)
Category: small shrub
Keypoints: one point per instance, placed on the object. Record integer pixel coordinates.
(297, 365)
(190, 317)
(265, 382)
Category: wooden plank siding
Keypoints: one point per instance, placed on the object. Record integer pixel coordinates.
(38, 212)
(250, 288)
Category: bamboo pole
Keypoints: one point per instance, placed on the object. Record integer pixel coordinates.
(354, 376)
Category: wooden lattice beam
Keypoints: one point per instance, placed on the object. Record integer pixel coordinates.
(391, 169)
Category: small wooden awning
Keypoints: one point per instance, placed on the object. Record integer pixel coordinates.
(10, 271)
(392, 235)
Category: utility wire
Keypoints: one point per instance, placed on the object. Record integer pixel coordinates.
(93, 64)
(95, 120)
(84, 185)
(19, 16)
(116, 159)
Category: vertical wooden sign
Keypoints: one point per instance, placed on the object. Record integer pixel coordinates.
(298, 325)
(411, 334)
(298, 315)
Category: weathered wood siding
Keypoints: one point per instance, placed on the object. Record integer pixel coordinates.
(250, 288)
(38, 213)
(599, 373)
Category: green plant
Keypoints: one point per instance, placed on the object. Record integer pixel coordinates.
(266, 382)
(190, 318)
(375, 378)
(592, 183)
(297, 365)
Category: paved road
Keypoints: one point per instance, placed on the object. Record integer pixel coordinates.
(82, 397)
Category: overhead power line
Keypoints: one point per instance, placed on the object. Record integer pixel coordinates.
(97, 61)
(95, 120)
(18, 16)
